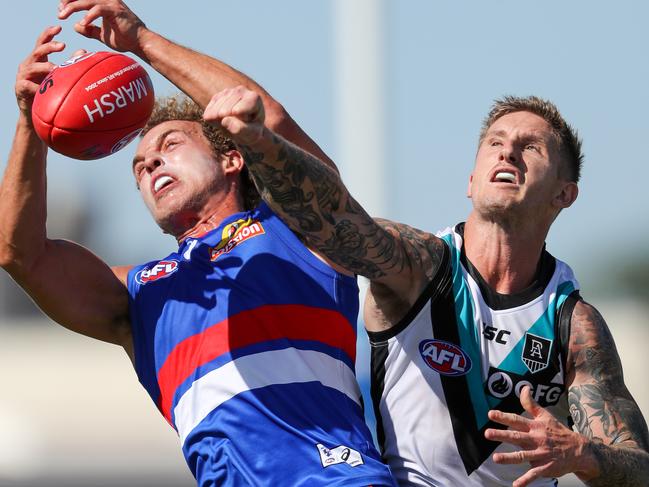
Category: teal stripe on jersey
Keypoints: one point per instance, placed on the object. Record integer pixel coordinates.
(543, 327)
(469, 335)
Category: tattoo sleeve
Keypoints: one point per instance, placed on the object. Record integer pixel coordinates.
(602, 408)
(312, 200)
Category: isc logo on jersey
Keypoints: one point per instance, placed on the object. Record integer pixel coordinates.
(233, 234)
(444, 357)
(162, 269)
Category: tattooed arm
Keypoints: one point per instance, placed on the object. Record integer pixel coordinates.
(310, 197)
(602, 407)
(196, 74)
(610, 446)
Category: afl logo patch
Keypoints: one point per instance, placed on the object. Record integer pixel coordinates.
(76, 59)
(444, 357)
(162, 269)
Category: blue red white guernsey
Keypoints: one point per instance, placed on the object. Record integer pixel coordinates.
(246, 342)
(461, 350)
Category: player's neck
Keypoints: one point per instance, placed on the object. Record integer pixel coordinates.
(210, 220)
(506, 256)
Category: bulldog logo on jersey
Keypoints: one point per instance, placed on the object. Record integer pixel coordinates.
(234, 233)
(444, 357)
(536, 352)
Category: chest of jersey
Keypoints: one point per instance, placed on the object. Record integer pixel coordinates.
(246, 342)
(460, 355)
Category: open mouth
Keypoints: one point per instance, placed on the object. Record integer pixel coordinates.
(161, 182)
(504, 177)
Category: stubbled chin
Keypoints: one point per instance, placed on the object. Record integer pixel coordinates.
(496, 206)
(177, 217)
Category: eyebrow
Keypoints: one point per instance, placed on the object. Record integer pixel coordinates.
(497, 133)
(528, 137)
(158, 141)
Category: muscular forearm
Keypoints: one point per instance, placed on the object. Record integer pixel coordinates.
(23, 198)
(201, 76)
(296, 184)
(617, 465)
(311, 198)
(198, 75)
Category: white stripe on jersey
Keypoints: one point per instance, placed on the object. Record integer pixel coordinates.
(260, 370)
(420, 444)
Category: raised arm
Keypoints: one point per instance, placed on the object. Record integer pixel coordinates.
(196, 74)
(69, 283)
(313, 201)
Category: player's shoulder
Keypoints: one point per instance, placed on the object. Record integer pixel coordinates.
(121, 272)
(591, 344)
(423, 258)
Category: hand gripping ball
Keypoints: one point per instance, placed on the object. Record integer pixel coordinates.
(93, 105)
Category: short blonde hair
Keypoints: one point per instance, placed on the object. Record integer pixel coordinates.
(569, 141)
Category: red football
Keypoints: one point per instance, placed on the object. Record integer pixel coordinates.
(93, 105)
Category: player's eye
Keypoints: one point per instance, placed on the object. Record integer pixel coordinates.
(495, 143)
(170, 144)
(137, 171)
(532, 147)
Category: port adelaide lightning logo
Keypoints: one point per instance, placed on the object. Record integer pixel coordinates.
(536, 352)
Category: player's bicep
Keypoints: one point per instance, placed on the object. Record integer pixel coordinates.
(416, 258)
(79, 291)
(600, 404)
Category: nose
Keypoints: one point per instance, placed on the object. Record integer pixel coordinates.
(508, 154)
(153, 161)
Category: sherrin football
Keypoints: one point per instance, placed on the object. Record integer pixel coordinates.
(93, 105)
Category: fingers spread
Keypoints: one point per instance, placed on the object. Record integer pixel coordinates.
(41, 52)
(48, 34)
(529, 476)
(529, 404)
(510, 436)
(93, 14)
(68, 7)
(88, 30)
(512, 420)
(520, 456)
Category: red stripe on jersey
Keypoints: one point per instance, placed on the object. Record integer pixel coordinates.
(271, 322)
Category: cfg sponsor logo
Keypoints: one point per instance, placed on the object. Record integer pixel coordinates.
(444, 357)
(501, 384)
(235, 233)
(162, 269)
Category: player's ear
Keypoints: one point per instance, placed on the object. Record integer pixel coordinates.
(567, 195)
(232, 161)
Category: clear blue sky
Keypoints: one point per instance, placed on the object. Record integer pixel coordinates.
(445, 62)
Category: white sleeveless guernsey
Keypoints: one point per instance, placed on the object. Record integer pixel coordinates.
(461, 350)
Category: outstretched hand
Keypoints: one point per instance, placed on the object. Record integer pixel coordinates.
(239, 112)
(35, 68)
(120, 28)
(551, 448)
